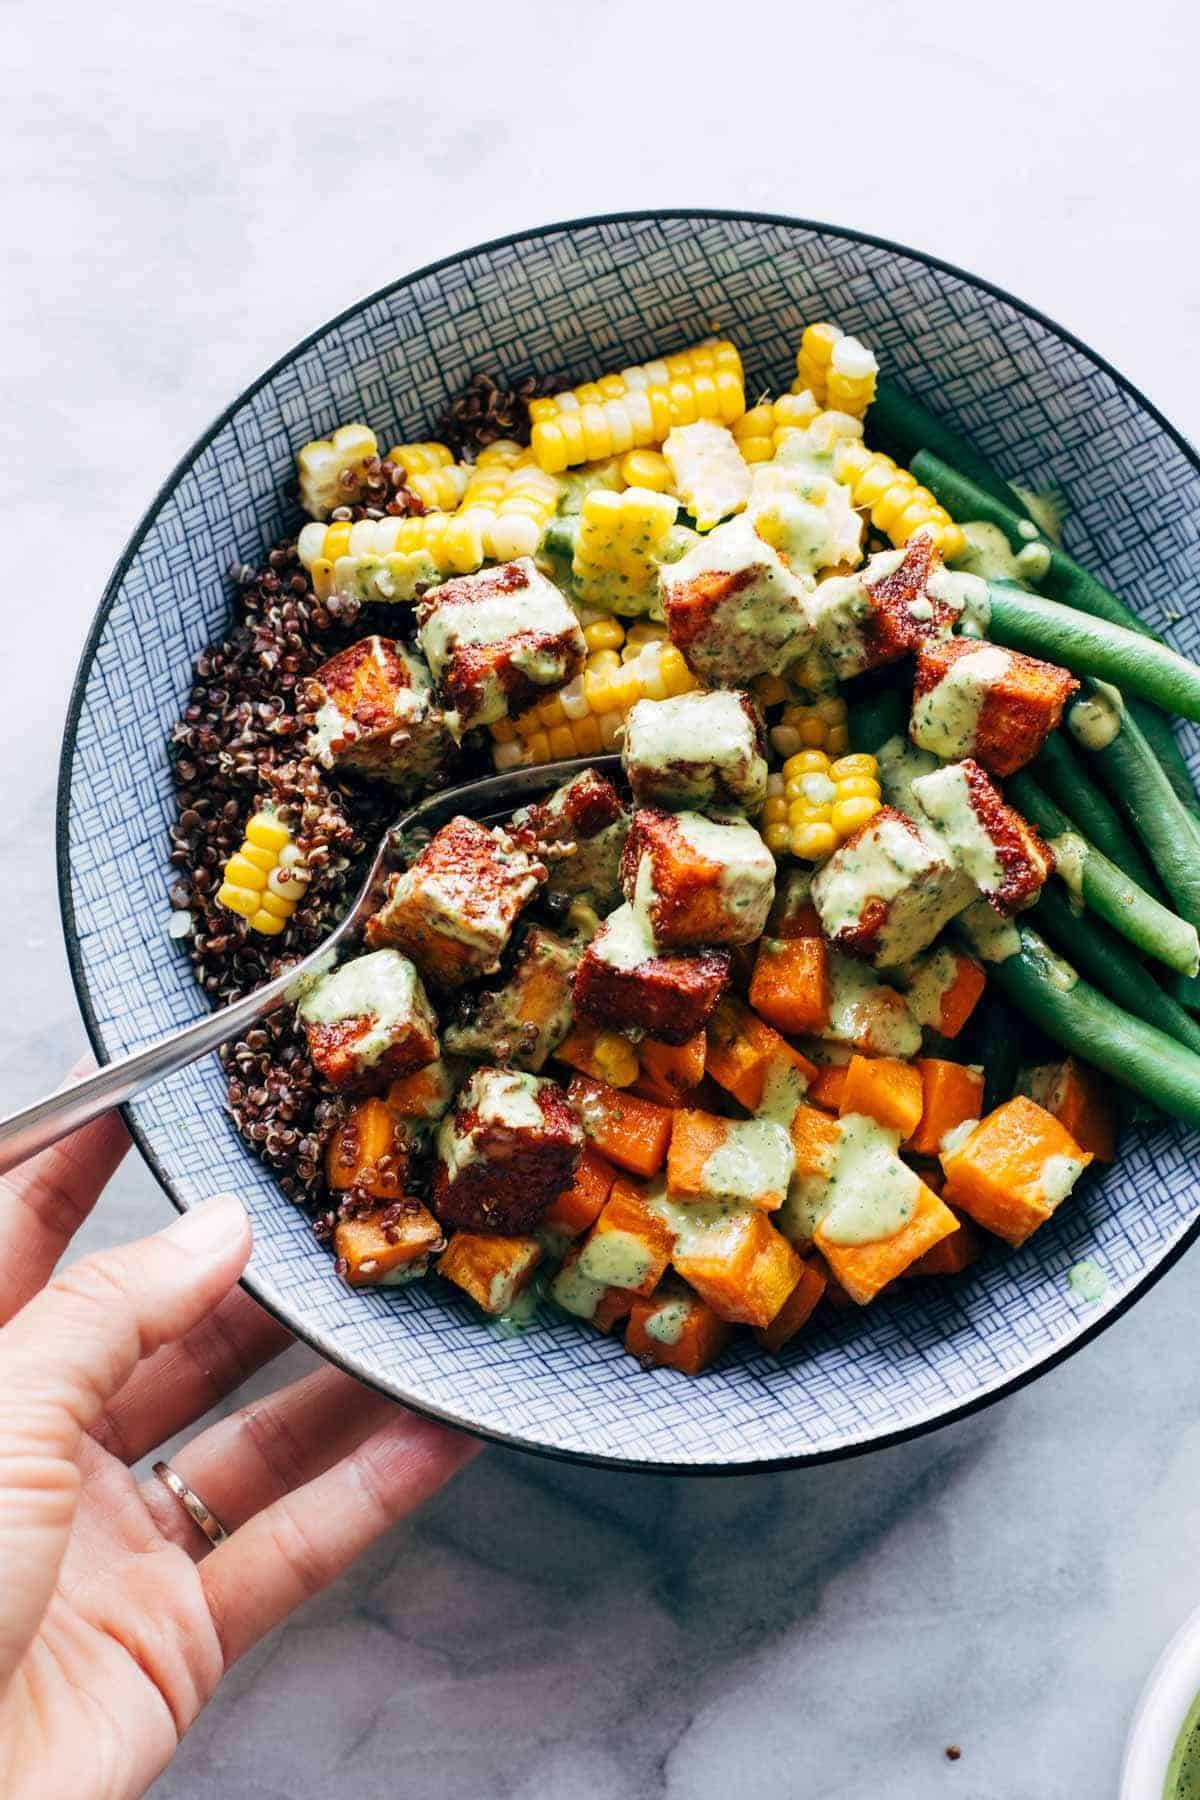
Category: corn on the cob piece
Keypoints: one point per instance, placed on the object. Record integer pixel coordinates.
(265, 880)
(586, 717)
(815, 804)
(385, 559)
(646, 469)
(621, 542)
(638, 406)
(329, 467)
(511, 503)
(709, 473)
(899, 507)
(762, 430)
(819, 725)
(431, 473)
(838, 370)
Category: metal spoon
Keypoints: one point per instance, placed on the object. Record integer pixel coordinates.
(36, 1127)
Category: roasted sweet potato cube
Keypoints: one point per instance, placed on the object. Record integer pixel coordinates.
(796, 1310)
(497, 641)
(601, 1305)
(578, 1207)
(790, 983)
(424, 1095)
(387, 1246)
(368, 1019)
(884, 1089)
(676, 1330)
(454, 909)
(705, 881)
(866, 1013)
(828, 1085)
(863, 1269)
(511, 1144)
(605, 1055)
(632, 1132)
(369, 1151)
(696, 750)
(522, 1020)
(951, 1254)
(943, 987)
(974, 699)
(491, 1269)
(1080, 1099)
(580, 832)
(629, 1246)
(376, 713)
(669, 1072)
(733, 607)
(950, 1093)
(747, 1161)
(623, 981)
(792, 913)
(1008, 860)
(740, 1265)
(887, 891)
(816, 1139)
(1013, 1170)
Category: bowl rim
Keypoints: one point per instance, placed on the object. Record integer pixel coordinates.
(314, 1337)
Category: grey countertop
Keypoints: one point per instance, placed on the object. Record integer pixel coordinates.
(192, 189)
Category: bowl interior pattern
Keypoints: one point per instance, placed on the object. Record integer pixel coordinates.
(580, 298)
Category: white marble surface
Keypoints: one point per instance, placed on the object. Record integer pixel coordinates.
(189, 190)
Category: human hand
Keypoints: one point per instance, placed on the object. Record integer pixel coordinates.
(117, 1619)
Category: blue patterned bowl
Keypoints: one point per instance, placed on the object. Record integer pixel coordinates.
(582, 297)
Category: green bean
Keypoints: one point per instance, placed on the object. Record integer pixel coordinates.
(1136, 780)
(1161, 738)
(1093, 646)
(1076, 1015)
(1107, 890)
(1185, 989)
(999, 1050)
(876, 718)
(1108, 962)
(904, 425)
(1062, 774)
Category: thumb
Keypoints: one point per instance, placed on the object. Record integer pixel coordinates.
(63, 1357)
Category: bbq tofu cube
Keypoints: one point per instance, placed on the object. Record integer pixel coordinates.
(369, 1019)
(524, 1019)
(497, 641)
(510, 1145)
(888, 890)
(896, 601)
(376, 713)
(453, 911)
(974, 699)
(1004, 856)
(698, 880)
(733, 607)
(580, 831)
(623, 980)
(696, 750)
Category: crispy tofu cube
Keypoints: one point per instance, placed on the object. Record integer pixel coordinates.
(733, 607)
(676, 1330)
(510, 1145)
(368, 1020)
(696, 750)
(497, 641)
(580, 832)
(388, 1247)
(624, 980)
(453, 911)
(867, 1014)
(897, 600)
(596, 1301)
(376, 713)
(747, 1161)
(974, 699)
(796, 1310)
(735, 1260)
(1011, 1171)
(702, 881)
(943, 987)
(492, 1270)
(629, 1246)
(370, 1151)
(528, 1015)
(864, 1266)
(1008, 860)
(887, 891)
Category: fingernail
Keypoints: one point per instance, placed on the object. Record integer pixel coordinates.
(211, 1226)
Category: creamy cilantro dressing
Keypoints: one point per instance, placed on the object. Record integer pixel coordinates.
(871, 1194)
(806, 515)
(667, 1322)
(965, 594)
(329, 727)
(1059, 1175)
(1097, 719)
(783, 1092)
(1070, 855)
(926, 984)
(756, 1158)
(616, 1259)
(840, 605)
(576, 1292)
(987, 553)
(900, 763)
(805, 1206)
(625, 940)
(946, 719)
(954, 1139)
(747, 867)
(865, 1012)
(945, 798)
(504, 1097)
(700, 1227)
(1045, 1084)
(383, 987)
(992, 938)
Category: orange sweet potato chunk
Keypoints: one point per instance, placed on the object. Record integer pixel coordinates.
(1008, 1175)
(578, 1207)
(628, 1246)
(744, 1268)
(366, 1137)
(790, 984)
(952, 1093)
(676, 1331)
(828, 1085)
(631, 1132)
(491, 1269)
(796, 1310)
(672, 1070)
(884, 1089)
(952, 1254)
(376, 1244)
(1081, 1100)
(864, 1269)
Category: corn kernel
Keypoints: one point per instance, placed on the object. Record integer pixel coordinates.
(810, 812)
(849, 815)
(774, 809)
(646, 469)
(861, 763)
(616, 1059)
(267, 832)
(838, 740)
(833, 708)
(603, 659)
(857, 787)
(243, 873)
(785, 740)
(605, 634)
(268, 923)
(238, 899)
(778, 837)
(537, 748)
(276, 905)
(812, 842)
(806, 762)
